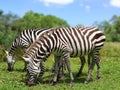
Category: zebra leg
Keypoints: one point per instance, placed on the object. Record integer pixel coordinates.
(57, 69)
(67, 61)
(98, 66)
(60, 69)
(53, 67)
(89, 57)
(43, 69)
(92, 64)
(70, 72)
(63, 69)
(82, 65)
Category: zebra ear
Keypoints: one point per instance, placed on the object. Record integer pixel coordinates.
(27, 59)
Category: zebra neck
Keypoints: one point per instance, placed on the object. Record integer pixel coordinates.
(11, 50)
(14, 45)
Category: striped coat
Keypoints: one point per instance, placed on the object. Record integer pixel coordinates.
(63, 43)
(24, 40)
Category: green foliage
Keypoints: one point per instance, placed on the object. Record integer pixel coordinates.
(111, 28)
(30, 20)
(6, 20)
(51, 21)
(11, 25)
(35, 20)
(110, 71)
(7, 38)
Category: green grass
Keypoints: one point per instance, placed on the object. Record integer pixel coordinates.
(110, 72)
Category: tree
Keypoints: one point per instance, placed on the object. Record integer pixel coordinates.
(111, 28)
(7, 20)
(31, 20)
(35, 20)
(1, 20)
(12, 24)
(52, 21)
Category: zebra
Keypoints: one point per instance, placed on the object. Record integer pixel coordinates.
(63, 42)
(25, 38)
(84, 30)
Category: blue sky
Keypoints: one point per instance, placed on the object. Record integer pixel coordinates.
(75, 12)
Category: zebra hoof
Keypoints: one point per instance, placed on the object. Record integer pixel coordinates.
(86, 82)
(30, 83)
(78, 75)
(10, 70)
(53, 83)
(71, 85)
(98, 77)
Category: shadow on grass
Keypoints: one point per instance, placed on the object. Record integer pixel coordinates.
(47, 79)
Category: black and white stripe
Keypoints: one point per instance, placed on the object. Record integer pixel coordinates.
(97, 38)
(64, 43)
(24, 40)
(84, 30)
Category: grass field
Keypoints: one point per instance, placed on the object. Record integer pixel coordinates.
(110, 72)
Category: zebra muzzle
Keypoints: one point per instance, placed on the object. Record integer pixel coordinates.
(10, 70)
(10, 67)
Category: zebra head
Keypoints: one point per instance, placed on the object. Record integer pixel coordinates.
(10, 61)
(34, 70)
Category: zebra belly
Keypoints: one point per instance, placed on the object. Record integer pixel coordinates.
(80, 50)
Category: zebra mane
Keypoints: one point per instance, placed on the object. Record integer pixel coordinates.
(83, 27)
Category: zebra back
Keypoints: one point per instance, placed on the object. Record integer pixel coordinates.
(25, 39)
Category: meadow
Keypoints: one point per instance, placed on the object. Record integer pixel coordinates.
(110, 73)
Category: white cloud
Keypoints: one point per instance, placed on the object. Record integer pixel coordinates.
(88, 8)
(115, 3)
(59, 2)
(81, 4)
(106, 5)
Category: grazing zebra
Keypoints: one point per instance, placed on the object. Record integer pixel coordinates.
(84, 30)
(63, 43)
(24, 40)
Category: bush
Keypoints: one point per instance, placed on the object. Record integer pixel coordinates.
(7, 38)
